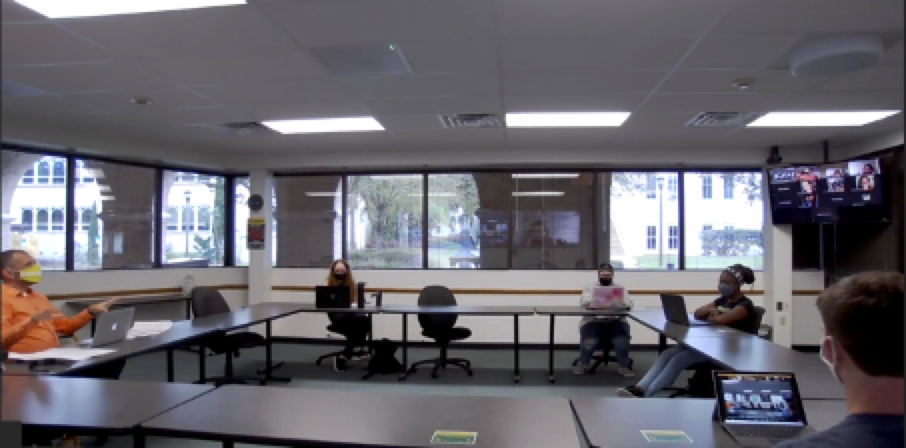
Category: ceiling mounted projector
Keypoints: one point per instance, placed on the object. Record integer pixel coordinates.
(834, 56)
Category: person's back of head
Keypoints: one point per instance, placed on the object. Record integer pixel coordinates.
(863, 318)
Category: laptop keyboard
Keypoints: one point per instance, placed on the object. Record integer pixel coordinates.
(766, 431)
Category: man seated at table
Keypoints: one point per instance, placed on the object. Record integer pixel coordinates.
(593, 329)
(31, 323)
(863, 348)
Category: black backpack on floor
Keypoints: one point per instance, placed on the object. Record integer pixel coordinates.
(701, 384)
(384, 360)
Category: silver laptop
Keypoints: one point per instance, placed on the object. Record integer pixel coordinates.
(112, 327)
(760, 409)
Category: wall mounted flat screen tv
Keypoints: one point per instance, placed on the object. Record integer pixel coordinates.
(833, 192)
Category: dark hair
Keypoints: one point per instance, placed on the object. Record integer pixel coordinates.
(864, 312)
(7, 257)
(605, 267)
(743, 274)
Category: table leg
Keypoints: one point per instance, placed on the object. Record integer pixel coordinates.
(370, 334)
(188, 309)
(516, 377)
(201, 361)
(227, 444)
(661, 343)
(268, 367)
(405, 349)
(94, 324)
(550, 352)
(138, 438)
(170, 374)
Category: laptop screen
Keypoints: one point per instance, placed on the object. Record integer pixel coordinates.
(753, 398)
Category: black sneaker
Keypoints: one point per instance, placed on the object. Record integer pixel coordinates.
(339, 363)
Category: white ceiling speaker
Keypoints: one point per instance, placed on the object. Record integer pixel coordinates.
(836, 56)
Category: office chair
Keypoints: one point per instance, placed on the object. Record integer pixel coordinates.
(335, 327)
(705, 368)
(207, 302)
(441, 328)
(602, 356)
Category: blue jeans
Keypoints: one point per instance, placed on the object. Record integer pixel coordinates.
(668, 367)
(591, 334)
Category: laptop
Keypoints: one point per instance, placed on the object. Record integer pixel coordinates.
(675, 312)
(112, 327)
(760, 409)
(608, 297)
(332, 297)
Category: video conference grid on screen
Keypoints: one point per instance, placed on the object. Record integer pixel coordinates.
(825, 188)
(749, 398)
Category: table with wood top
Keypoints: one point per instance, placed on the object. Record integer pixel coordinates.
(515, 311)
(90, 406)
(79, 305)
(554, 311)
(314, 417)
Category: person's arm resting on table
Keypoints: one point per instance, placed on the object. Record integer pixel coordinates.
(705, 311)
(587, 296)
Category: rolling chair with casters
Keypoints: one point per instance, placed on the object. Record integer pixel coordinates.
(335, 327)
(441, 328)
(703, 369)
(207, 302)
(602, 356)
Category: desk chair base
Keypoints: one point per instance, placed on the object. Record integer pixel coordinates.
(602, 359)
(330, 355)
(269, 377)
(440, 364)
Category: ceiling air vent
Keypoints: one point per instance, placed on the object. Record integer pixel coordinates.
(470, 121)
(712, 119)
(245, 129)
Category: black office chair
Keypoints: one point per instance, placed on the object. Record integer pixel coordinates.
(441, 328)
(602, 356)
(207, 302)
(701, 383)
(337, 328)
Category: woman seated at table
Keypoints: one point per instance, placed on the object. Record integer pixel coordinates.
(732, 309)
(353, 326)
(592, 329)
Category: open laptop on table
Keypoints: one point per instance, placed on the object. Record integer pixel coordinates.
(675, 311)
(332, 297)
(760, 409)
(112, 327)
(608, 298)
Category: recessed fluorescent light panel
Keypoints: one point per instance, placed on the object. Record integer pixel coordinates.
(820, 119)
(545, 175)
(58, 9)
(566, 119)
(322, 125)
(537, 193)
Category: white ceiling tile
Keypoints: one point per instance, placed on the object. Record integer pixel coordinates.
(555, 139)
(571, 82)
(15, 13)
(812, 16)
(871, 79)
(246, 66)
(578, 52)
(714, 102)
(709, 80)
(680, 135)
(227, 29)
(740, 51)
(88, 76)
(421, 85)
(297, 90)
(43, 107)
(286, 110)
(894, 55)
(583, 103)
(341, 22)
(455, 139)
(818, 101)
(533, 17)
(767, 137)
(46, 44)
(163, 100)
(410, 123)
(438, 105)
(346, 142)
(451, 55)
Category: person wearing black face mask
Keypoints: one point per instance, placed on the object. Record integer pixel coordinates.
(354, 326)
(592, 329)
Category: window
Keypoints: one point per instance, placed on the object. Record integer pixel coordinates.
(204, 218)
(27, 222)
(29, 210)
(466, 230)
(43, 218)
(241, 195)
(673, 185)
(57, 221)
(706, 186)
(309, 220)
(59, 172)
(28, 178)
(673, 238)
(626, 237)
(651, 187)
(198, 241)
(44, 171)
(171, 218)
(739, 241)
(729, 185)
(384, 221)
(120, 216)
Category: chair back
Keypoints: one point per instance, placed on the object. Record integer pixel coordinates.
(436, 295)
(759, 316)
(208, 301)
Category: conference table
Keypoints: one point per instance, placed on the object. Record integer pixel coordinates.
(316, 417)
(90, 406)
(553, 311)
(80, 305)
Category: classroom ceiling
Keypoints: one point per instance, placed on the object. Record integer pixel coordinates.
(663, 60)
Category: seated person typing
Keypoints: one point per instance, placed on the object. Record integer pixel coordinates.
(592, 329)
(863, 348)
(353, 326)
(732, 309)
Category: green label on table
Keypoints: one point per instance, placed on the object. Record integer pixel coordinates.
(668, 436)
(454, 437)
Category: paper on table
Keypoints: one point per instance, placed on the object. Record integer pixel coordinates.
(68, 354)
(152, 328)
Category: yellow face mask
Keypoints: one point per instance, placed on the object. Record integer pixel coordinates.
(31, 274)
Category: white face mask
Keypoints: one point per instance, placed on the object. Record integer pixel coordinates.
(829, 363)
